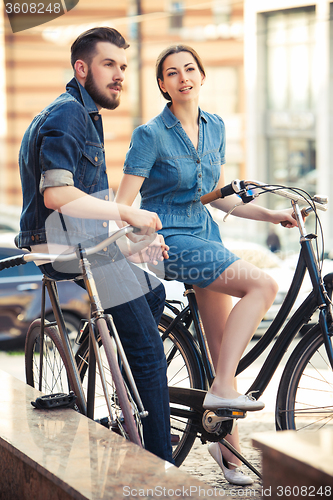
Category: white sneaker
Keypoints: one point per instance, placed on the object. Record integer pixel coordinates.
(234, 476)
(244, 402)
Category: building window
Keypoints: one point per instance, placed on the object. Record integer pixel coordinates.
(290, 105)
(221, 11)
(176, 15)
(220, 92)
(292, 163)
(220, 95)
(290, 58)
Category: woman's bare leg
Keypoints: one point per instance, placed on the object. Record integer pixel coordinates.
(223, 322)
(256, 291)
(221, 306)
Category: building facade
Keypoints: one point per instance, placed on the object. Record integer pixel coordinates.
(269, 75)
(37, 67)
(36, 63)
(288, 64)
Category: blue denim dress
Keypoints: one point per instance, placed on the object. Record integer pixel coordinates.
(176, 176)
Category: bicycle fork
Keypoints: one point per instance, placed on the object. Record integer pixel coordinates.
(97, 312)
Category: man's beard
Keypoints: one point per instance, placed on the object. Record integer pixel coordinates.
(100, 99)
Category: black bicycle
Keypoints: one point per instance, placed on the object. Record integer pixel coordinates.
(305, 394)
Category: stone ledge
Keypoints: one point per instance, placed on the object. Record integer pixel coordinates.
(293, 459)
(61, 454)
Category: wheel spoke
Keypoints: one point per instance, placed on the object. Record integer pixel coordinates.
(182, 371)
(307, 387)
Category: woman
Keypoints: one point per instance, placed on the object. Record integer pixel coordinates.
(173, 160)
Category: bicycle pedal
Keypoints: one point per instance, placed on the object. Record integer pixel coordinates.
(230, 413)
(54, 401)
(103, 421)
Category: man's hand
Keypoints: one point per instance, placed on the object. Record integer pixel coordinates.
(148, 222)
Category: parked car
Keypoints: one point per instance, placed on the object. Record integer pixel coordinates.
(20, 299)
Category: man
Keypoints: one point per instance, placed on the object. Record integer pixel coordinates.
(62, 167)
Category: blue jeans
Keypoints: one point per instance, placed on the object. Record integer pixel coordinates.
(136, 322)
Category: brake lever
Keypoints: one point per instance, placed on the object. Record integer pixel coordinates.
(245, 197)
(232, 209)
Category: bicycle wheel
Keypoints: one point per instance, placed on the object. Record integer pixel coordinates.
(72, 323)
(183, 370)
(126, 418)
(305, 395)
(55, 375)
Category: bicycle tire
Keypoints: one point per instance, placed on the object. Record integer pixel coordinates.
(305, 394)
(120, 422)
(56, 376)
(183, 370)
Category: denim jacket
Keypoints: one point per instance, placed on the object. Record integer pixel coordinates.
(63, 145)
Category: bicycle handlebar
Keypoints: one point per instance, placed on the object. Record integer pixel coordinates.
(242, 187)
(18, 260)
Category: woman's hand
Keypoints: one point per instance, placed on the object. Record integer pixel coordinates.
(153, 253)
(284, 217)
(157, 251)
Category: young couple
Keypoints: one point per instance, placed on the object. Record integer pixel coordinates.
(173, 160)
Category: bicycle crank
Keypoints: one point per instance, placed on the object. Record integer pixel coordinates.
(212, 421)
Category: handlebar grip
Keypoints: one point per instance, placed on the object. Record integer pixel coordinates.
(209, 197)
(218, 193)
(18, 260)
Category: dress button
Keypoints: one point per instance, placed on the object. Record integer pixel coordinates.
(96, 158)
(96, 118)
(105, 224)
(105, 249)
(199, 190)
(198, 161)
(199, 175)
(33, 238)
(106, 197)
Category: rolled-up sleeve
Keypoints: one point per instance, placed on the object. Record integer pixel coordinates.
(141, 155)
(55, 178)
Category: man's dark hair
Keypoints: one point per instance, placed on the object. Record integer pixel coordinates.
(84, 47)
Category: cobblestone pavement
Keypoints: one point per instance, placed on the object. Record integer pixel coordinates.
(200, 464)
